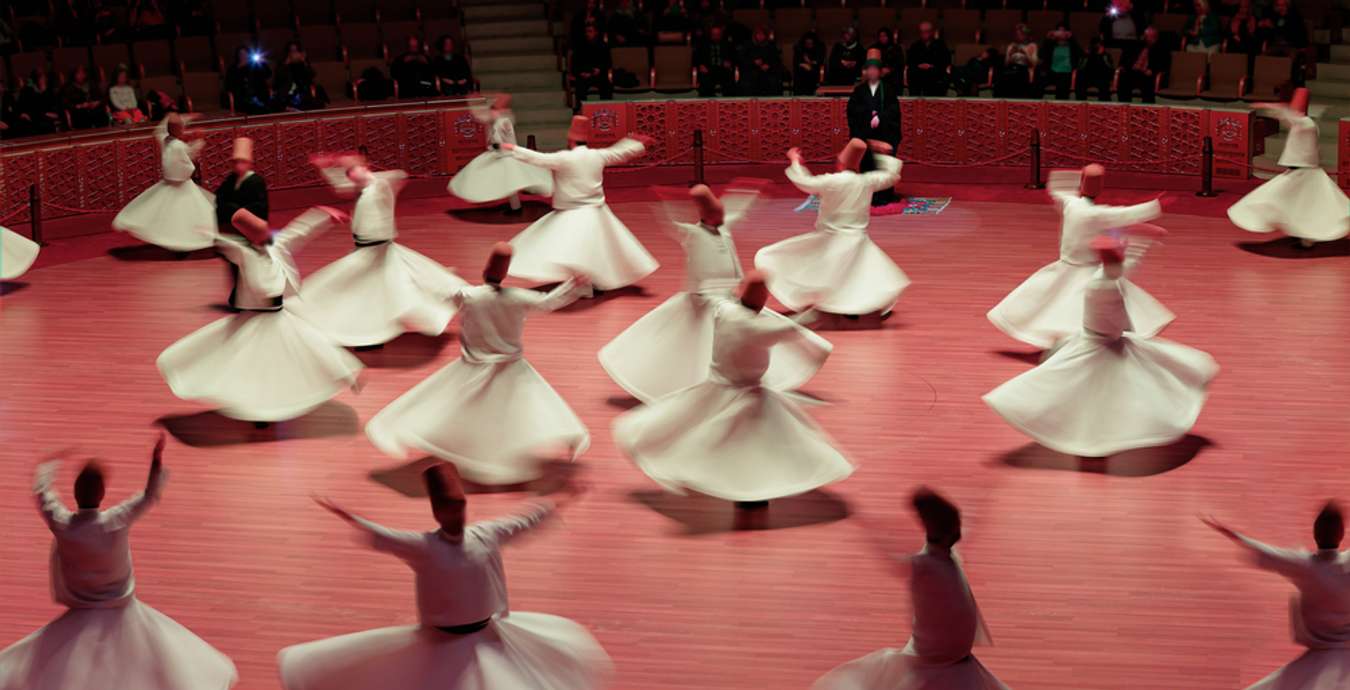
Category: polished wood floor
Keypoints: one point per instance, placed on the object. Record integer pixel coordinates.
(1091, 576)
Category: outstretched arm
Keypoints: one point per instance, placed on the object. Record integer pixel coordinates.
(397, 179)
(547, 161)
(404, 545)
(886, 174)
(53, 511)
(503, 530)
(1286, 562)
(1282, 111)
(334, 172)
(162, 131)
(307, 226)
(568, 292)
(1121, 216)
(133, 508)
(798, 175)
(622, 151)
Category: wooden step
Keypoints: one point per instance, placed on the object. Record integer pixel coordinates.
(520, 45)
(504, 11)
(514, 81)
(510, 28)
(514, 63)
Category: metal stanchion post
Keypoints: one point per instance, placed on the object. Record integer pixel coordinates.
(698, 156)
(1035, 182)
(1207, 169)
(529, 143)
(35, 213)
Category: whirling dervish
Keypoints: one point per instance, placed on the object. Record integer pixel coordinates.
(1048, 306)
(1108, 389)
(106, 638)
(1320, 615)
(495, 174)
(947, 622)
(264, 363)
(381, 289)
(732, 437)
(467, 637)
(17, 254)
(1303, 201)
(174, 213)
(671, 347)
(581, 234)
(837, 267)
(489, 412)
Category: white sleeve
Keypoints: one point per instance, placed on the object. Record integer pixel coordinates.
(162, 132)
(798, 175)
(396, 179)
(336, 177)
(547, 161)
(304, 228)
(1121, 216)
(554, 299)
(505, 529)
(621, 151)
(1290, 563)
(53, 511)
(405, 545)
(886, 174)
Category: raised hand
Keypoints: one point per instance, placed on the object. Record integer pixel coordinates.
(1219, 527)
(508, 146)
(334, 508)
(794, 156)
(646, 141)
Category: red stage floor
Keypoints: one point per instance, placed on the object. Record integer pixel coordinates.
(1091, 577)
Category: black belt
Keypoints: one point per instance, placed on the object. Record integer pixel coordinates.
(464, 629)
(369, 243)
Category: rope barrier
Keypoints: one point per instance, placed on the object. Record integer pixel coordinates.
(12, 214)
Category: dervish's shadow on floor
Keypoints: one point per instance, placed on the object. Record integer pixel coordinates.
(8, 288)
(530, 211)
(1141, 462)
(407, 351)
(865, 322)
(406, 479)
(602, 297)
(211, 429)
(149, 252)
(1032, 358)
(699, 515)
(1290, 248)
(623, 402)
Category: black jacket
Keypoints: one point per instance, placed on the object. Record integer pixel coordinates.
(862, 104)
(251, 195)
(936, 54)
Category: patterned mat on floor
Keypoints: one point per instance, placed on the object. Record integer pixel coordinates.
(910, 206)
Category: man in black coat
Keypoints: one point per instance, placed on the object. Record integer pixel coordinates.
(242, 193)
(1142, 67)
(715, 59)
(874, 117)
(929, 59)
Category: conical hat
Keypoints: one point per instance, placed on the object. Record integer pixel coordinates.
(499, 263)
(243, 149)
(1299, 101)
(710, 209)
(580, 131)
(1094, 178)
(443, 484)
(754, 291)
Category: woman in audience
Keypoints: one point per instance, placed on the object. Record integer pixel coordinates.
(122, 100)
(1203, 32)
(761, 66)
(807, 58)
(452, 70)
(1061, 54)
(83, 100)
(845, 60)
(1241, 33)
(892, 58)
(413, 73)
(296, 85)
(248, 81)
(1019, 66)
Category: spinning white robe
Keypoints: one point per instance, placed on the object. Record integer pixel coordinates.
(174, 213)
(837, 268)
(107, 638)
(581, 234)
(381, 289)
(671, 346)
(496, 174)
(488, 412)
(1108, 389)
(947, 625)
(1048, 306)
(457, 584)
(17, 253)
(264, 364)
(1319, 616)
(731, 437)
(1302, 201)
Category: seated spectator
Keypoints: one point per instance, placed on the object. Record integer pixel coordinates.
(1123, 25)
(892, 58)
(83, 100)
(590, 67)
(412, 72)
(808, 56)
(1061, 54)
(372, 85)
(1241, 34)
(845, 60)
(1282, 30)
(147, 21)
(107, 23)
(715, 57)
(297, 88)
(674, 18)
(452, 70)
(1095, 70)
(1142, 66)
(968, 78)
(1020, 59)
(159, 104)
(929, 59)
(248, 80)
(627, 25)
(591, 15)
(761, 66)
(122, 100)
(1203, 32)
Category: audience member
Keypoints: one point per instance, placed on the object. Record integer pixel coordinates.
(374, 85)
(83, 101)
(808, 59)
(1282, 29)
(929, 59)
(1203, 32)
(892, 58)
(1142, 66)
(1062, 55)
(147, 21)
(248, 80)
(452, 69)
(968, 79)
(1242, 34)
(714, 57)
(122, 100)
(1096, 70)
(412, 72)
(674, 19)
(590, 15)
(1123, 24)
(297, 87)
(761, 66)
(1020, 59)
(845, 60)
(590, 67)
(627, 25)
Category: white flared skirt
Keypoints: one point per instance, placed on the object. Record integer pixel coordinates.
(493, 175)
(1048, 306)
(1323, 669)
(733, 443)
(835, 272)
(670, 348)
(258, 366)
(133, 647)
(17, 253)
(375, 294)
(519, 651)
(897, 669)
(178, 216)
(495, 421)
(590, 239)
(1096, 397)
(1301, 202)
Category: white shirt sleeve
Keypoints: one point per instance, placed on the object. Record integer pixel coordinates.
(304, 228)
(886, 174)
(554, 299)
(547, 161)
(1290, 563)
(798, 175)
(1121, 216)
(336, 177)
(53, 511)
(622, 151)
(406, 545)
(505, 529)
